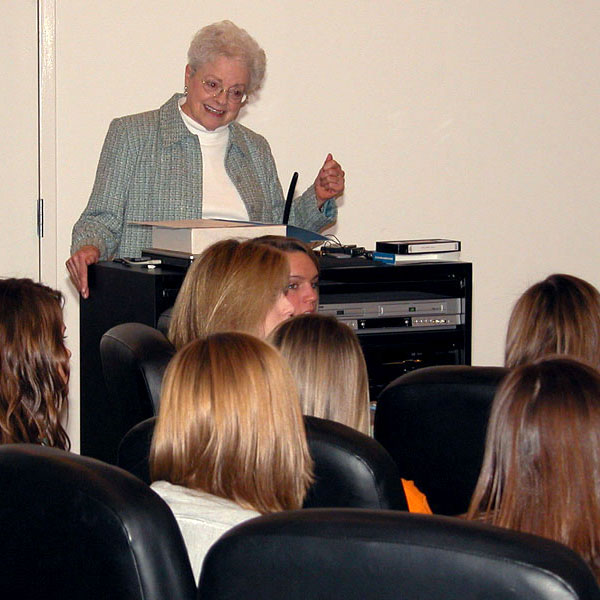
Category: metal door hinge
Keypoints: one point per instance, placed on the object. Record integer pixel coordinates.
(40, 217)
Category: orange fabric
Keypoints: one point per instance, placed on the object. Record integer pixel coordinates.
(417, 501)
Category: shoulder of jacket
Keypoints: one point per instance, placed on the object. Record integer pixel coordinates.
(143, 120)
(250, 137)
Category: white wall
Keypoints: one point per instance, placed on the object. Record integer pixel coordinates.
(19, 247)
(476, 120)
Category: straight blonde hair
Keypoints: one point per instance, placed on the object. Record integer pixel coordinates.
(289, 244)
(230, 425)
(231, 286)
(559, 315)
(541, 467)
(329, 367)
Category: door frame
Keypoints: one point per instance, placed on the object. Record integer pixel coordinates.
(47, 185)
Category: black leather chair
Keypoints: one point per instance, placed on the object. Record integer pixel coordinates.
(134, 358)
(79, 529)
(348, 554)
(134, 450)
(433, 423)
(164, 321)
(351, 469)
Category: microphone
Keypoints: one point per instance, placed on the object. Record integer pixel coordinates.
(290, 197)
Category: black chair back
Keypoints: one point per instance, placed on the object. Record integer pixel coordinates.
(134, 450)
(433, 423)
(349, 554)
(351, 469)
(134, 358)
(164, 321)
(77, 528)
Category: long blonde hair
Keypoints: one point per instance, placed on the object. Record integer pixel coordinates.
(329, 367)
(541, 468)
(231, 286)
(230, 424)
(559, 315)
(34, 364)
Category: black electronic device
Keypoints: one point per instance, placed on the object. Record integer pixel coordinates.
(418, 246)
(406, 316)
(341, 250)
(169, 258)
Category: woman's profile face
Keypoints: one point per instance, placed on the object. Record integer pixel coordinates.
(68, 353)
(303, 289)
(279, 312)
(226, 77)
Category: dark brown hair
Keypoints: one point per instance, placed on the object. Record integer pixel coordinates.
(34, 364)
(559, 315)
(541, 468)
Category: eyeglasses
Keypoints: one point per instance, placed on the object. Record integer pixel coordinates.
(235, 95)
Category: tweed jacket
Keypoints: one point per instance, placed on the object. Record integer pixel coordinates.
(150, 169)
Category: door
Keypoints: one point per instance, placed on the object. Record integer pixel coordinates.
(19, 173)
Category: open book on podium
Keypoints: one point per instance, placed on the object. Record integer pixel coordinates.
(193, 236)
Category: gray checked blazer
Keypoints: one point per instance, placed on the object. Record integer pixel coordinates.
(150, 169)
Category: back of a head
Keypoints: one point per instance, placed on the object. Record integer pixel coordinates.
(231, 286)
(541, 469)
(34, 364)
(329, 367)
(559, 315)
(230, 425)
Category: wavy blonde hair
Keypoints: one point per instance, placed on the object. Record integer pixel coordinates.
(34, 364)
(230, 424)
(231, 286)
(329, 368)
(541, 467)
(224, 38)
(559, 315)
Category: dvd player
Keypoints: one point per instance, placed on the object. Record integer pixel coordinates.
(397, 316)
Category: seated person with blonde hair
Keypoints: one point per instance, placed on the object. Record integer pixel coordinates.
(232, 286)
(303, 289)
(329, 368)
(229, 442)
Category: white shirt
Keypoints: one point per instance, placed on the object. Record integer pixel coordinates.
(220, 198)
(202, 518)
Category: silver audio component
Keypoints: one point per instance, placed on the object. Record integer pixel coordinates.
(397, 316)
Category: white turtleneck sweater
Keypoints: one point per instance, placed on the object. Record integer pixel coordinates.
(220, 198)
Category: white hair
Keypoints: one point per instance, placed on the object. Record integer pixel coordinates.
(227, 39)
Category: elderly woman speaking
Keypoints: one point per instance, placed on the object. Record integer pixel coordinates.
(190, 159)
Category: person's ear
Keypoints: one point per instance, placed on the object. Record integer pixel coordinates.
(189, 73)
